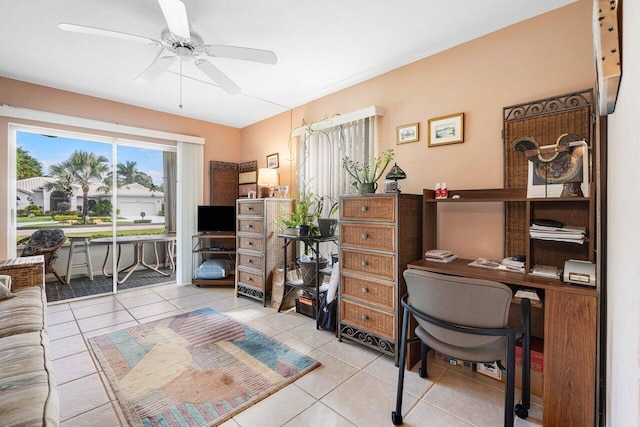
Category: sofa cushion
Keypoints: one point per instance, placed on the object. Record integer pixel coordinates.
(23, 313)
(27, 385)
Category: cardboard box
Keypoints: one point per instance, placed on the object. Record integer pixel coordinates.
(537, 365)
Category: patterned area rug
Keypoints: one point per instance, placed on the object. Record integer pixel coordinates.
(194, 369)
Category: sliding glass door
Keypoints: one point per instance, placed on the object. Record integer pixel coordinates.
(107, 196)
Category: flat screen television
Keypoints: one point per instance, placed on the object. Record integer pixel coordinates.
(216, 219)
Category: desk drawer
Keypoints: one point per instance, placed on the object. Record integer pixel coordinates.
(253, 280)
(250, 225)
(368, 236)
(251, 243)
(368, 263)
(377, 293)
(250, 208)
(250, 261)
(369, 319)
(368, 209)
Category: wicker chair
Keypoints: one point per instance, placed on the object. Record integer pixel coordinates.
(45, 242)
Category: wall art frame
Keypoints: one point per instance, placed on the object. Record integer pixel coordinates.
(273, 161)
(446, 130)
(408, 133)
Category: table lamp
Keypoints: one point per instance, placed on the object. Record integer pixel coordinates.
(267, 181)
(394, 174)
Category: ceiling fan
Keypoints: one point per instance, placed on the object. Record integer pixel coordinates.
(185, 45)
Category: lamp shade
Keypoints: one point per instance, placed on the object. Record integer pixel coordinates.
(268, 177)
(395, 173)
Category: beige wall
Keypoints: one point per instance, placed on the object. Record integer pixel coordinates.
(222, 142)
(544, 56)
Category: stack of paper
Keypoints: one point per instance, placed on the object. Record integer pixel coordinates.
(559, 234)
(491, 264)
(546, 271)
(440, 255)
(513, 265)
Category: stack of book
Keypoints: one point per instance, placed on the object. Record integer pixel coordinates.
(562, 233)
(440, 255)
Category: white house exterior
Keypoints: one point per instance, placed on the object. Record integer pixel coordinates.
(133, 199)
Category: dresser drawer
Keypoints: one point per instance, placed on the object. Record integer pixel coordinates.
(378, 293)
(368, 263)
(250, 208)
(369, 319)
(250, 261)
(253, 280)
(250, 225)
(368, 236)
(251, 243)
(368, 209)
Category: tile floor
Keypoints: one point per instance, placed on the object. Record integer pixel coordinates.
(354, 385)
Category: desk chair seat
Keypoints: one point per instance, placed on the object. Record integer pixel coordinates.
(466, 319)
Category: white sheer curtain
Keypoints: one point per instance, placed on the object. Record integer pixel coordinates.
(189, 188)
(320, 157)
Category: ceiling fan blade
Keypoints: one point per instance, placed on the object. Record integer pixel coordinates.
(154, 70)
(243, 53)
(175, 13)
(106, 33)
(217, 76)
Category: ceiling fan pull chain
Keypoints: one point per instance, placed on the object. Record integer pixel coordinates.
(180, 85)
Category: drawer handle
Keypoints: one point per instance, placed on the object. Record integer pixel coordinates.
(365, 263)
(249, 279)
(365, 290)
(365, 317)
(365, 236)
(365, 208)
(249, 208)
(250, 261)
(250, 243)
(249, 225)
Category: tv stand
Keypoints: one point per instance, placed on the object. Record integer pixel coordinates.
(215, 245)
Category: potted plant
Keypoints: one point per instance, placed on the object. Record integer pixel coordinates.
(367, 174)
(327, 226)
(303, 216)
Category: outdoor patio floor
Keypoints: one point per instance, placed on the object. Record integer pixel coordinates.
(83, 287)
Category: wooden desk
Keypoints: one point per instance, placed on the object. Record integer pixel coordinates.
(570, 314)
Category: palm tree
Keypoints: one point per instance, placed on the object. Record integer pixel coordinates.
(128, 173)
(82, 169)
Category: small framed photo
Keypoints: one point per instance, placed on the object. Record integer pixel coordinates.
(408, 133)
(273, 161)
(446, 130)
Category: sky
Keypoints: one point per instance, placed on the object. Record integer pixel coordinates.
(52, 150)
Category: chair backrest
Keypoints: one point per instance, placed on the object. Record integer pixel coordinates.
(459, 300)
(44, 238)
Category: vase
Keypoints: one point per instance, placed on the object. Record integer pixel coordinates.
(308, 270)
(327, 226)
(366, 187)
(304, 230)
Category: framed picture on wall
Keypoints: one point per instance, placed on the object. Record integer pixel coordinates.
(446, 130)
(272, 161)
(408, 133)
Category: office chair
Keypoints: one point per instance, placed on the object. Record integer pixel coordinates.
(466, 319)
(46, 242)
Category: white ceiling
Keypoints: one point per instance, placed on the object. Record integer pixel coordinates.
(322, 46)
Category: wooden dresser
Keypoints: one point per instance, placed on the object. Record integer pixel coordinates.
(258, 249)
(379, 235)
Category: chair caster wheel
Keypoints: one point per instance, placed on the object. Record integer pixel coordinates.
(521, 411)
(396, 418)
(422, 373)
